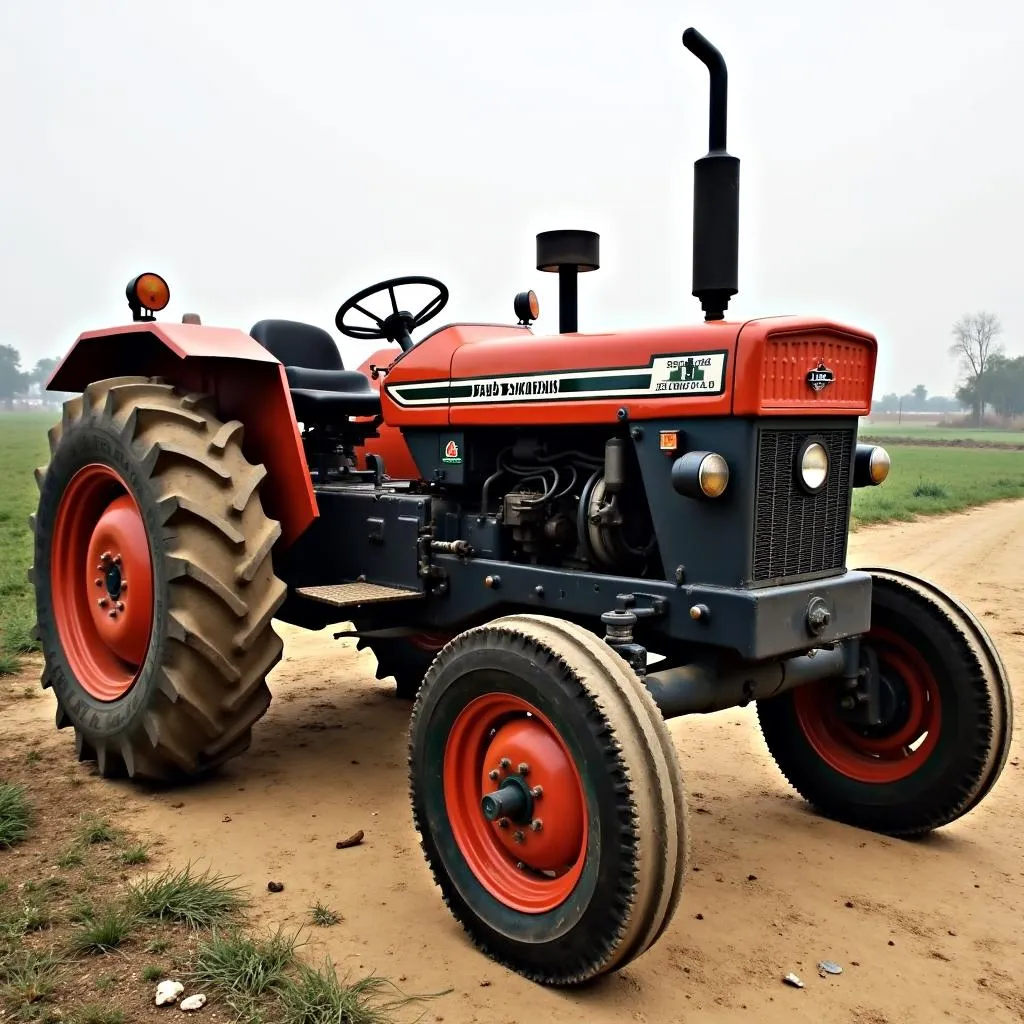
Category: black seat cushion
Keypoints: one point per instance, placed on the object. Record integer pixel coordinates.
(322, 389)
(298, 344)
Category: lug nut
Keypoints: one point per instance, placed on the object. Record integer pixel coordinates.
(493, 774)
(503, 823)
(519, 836)
(520, 865)
(848, 703)
(124, 586)
(112, 613)
(524, 768)
(536, 824)
(105, 557)
(117, 559)
(505, 763)
(120, 606)
(103, 602)
(537, 792)
(98, 582)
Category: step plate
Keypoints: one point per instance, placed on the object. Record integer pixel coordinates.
(347, 595)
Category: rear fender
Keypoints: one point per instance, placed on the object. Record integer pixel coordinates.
(246, 381)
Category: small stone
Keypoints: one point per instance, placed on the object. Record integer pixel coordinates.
(830, 967)
(792, 979)
(193, 1003)
(700, 917)
(891, 943)
(751, 878)
(353, 840)
(227, 817)
(485, 983)
(848, 904)
(951, 931)
(177, 806)
(275, 886)
(167, 992)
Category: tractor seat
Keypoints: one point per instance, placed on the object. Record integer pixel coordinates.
(322, 390)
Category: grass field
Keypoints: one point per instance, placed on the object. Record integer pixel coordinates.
(924, 481)
(928, 432)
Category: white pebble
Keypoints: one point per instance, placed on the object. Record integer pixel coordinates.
(193, 1003)
(168, 992)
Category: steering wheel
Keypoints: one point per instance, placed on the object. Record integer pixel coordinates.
(398, 324)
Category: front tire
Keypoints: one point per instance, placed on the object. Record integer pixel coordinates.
(582, 871)
(154, 581)
(947, 729)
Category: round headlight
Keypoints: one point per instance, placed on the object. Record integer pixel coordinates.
(814, 466)
(878, 465)
(713, 474)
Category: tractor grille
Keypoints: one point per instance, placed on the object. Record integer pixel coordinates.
(796, 532)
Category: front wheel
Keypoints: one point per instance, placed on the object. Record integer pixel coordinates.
(548, 798)
(946, 710)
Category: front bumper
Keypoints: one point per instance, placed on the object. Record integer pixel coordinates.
(758, 623)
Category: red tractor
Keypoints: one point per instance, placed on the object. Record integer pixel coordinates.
(553, 544)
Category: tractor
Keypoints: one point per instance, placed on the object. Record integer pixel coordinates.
(552, 544)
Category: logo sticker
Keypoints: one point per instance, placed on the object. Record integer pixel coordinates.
(451, 454)
(820, 377)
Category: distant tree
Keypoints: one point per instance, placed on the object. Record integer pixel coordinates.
(1005, 390)
(888, 403)
(12, 379)
(974, 345)
(920, 397)
(40, 373)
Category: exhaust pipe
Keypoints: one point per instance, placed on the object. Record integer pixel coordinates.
(716, 195)
(702, 687)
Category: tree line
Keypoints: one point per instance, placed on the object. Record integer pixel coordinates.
(16, 381)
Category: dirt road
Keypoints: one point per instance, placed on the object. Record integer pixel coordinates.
(926, 931)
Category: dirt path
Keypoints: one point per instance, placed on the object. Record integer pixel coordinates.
(926, 931)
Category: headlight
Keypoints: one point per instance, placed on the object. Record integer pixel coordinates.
(871, 465)
(814, 466)
(700, 475)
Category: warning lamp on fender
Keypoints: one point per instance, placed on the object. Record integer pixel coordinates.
(871, 465)
(700, 475)
(147, 294)
(527, 307)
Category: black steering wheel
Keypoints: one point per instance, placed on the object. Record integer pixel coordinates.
(398, 324)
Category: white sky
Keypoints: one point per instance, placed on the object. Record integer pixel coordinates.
(271, 158)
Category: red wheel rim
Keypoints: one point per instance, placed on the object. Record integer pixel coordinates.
(530, 870)
(101, 581)
(879, 758)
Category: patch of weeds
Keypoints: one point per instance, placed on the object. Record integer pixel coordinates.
(96, 830)
(70, 858)
(152, 973)
(4, 886)
(27, 979)
(15, 814)
(927, 490)
(33, 757)
(245, 968)
(157, 946)
(98, 1015)
(81, 910)
(105, 930)
(10, 664)
(134, 855)
(319, 996)
(323, 915)
(197, 900)
(105, 982)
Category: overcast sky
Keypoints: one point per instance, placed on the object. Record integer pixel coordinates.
(270, 158)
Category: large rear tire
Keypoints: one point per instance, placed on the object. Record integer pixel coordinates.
(154, 581)
(947, 712)
(581, 872)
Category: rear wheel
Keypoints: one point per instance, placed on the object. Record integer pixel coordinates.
(154, 583)
(946, 711)
(548, 798)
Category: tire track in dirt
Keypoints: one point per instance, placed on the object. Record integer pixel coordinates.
(926, 930)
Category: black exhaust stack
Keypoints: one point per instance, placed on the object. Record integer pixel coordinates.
(716, 195)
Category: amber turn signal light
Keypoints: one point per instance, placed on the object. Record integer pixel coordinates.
(527, 307)
(147, 294)
(700, 475)
(871, 465)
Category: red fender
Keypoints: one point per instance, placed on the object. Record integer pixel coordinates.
(247, 382)
(389, 443)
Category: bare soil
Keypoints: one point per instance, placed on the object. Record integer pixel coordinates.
(925, 931)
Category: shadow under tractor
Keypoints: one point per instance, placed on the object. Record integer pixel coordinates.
(552, 544)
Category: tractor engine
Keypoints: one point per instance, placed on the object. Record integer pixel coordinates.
(543, 503)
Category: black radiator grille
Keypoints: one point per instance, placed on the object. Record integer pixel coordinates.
(796, 532)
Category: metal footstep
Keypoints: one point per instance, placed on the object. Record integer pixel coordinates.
(348, 595)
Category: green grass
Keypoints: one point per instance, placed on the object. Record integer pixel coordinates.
(319, 996)
(929, 481)
(134, 855)
(199, 901)
(27, 978)
(96, 830)
(23, 446)
(927, 430)
(15, 815)
(322, 915)
(151, 973)
(243, 966)
(98, 1015)
(105, 930)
